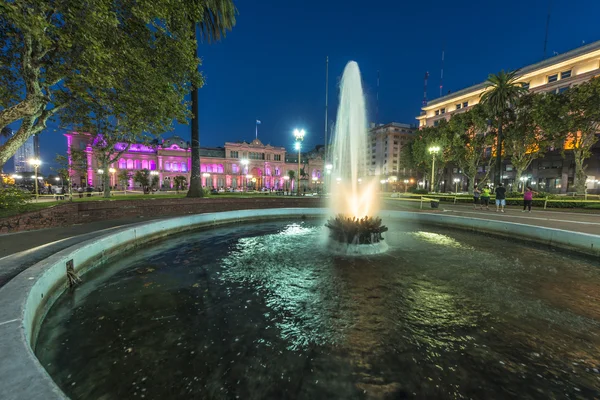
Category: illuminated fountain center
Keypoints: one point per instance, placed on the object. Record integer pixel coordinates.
(354, 199)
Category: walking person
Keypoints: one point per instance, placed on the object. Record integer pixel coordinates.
(528, 198)
(476, 196)
(485, 197)
(500, 197)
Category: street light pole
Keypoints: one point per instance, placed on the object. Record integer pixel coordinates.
(36, 162)
(433, 150)
(405, 185)
(456, 180)
(244, 162)
(299, 135)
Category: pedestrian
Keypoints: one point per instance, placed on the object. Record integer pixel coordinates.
(500, 197)
(80, 191)
(476, 196)
(528, 198)
(485, 197)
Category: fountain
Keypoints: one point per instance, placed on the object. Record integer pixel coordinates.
(353, 229)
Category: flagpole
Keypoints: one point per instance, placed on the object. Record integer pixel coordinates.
(326, 101)
(256, 129)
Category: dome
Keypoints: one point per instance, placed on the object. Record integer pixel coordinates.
(175, 142)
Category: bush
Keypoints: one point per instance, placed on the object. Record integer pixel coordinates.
(420, 191)
(13, 198)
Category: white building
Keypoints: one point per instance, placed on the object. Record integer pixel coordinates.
(23, 155)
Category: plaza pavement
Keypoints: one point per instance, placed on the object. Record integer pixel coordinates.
(21, 250)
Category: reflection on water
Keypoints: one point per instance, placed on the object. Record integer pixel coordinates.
(265, 311)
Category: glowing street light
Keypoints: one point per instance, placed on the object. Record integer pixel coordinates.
(433, 150)
(112, 171)
(456, 180)
(36, 162)
(406, 185)
(523, 180)
(299, 136)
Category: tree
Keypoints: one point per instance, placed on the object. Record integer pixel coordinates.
(292, 174)
(502, 91)
(180, 182)
(469, 141)
(573, 117)
(124, 177)
(155, 181)
(421, 156)
(215, 18)
(143, 178)
(524, 141)
(57, 61)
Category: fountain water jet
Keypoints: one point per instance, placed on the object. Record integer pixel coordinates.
(354, 198)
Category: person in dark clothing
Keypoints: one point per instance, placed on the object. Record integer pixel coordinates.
(500, 197)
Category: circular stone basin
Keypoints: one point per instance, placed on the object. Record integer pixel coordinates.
(266, 311)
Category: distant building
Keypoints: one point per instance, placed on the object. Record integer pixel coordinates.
(385, 147)
(553, 173)
(171, 157)
(23, 155)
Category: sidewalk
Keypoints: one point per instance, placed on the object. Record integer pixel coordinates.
(565, 220)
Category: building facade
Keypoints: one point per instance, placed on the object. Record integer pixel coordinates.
(553, 173)
(385, 148)
(222, 167)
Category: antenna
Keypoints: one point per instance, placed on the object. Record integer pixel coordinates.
(425, 89)
(547, 28)
(442, 74)
(377, 110)
(326, 100)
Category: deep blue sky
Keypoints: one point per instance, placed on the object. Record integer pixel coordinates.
(271, 67)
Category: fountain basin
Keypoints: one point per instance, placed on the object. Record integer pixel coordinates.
(28, 296)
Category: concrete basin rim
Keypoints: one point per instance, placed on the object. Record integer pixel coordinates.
(22, 306)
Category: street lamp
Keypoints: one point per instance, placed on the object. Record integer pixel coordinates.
(328, 169)
(299, 135)
(383, 181)
(523, 179)
(287, 179)
(245, 163)
(456, 180)
(405, 185)
(113, 182)
(314, 181)
(206, 175)
(433, 150)
(36, 162)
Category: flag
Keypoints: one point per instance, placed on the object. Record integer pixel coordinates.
(258, 122)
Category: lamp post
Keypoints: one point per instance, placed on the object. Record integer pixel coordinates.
(254, 186)
(299, 135)
(523, 179)
(405, 185)
(287, 179)
(112, 171)
(36, 162)
(328, 168)
(456, 180)
(314, 181)
(433, 150)
(244, 162)
(383, 181)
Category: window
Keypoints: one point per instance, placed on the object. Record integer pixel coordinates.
(277, 172)
(552, 78)
(458, 106)
(436, 123)
(437, 112)
(167, 166)
(443, 111)
(234, 168)
(525, 85)
(122, 163)
(144, 164)
(565, 74)
(233, 154)
(183, 167)
(509, 167)
(465, 104)
(277, 157)
(562, 89)
(220, 168)
(137, 164)
(175, 166)
(152, 165)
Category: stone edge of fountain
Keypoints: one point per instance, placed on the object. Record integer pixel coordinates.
(26, 298)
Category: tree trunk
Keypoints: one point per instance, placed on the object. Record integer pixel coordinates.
(471, 186)
(580, 177)
(518, 175)
(195, 189)
(8, 149)
(498, 172)
(106, 181)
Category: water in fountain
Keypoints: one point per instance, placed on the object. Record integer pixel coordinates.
(353, 192)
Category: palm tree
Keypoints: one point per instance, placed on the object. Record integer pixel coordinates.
(501, 92)
(218, 16)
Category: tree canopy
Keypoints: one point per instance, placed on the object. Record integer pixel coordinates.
(81, 61)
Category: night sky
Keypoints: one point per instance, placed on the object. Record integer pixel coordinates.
(271, 67)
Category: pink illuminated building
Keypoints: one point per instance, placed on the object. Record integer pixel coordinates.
(221, 167)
